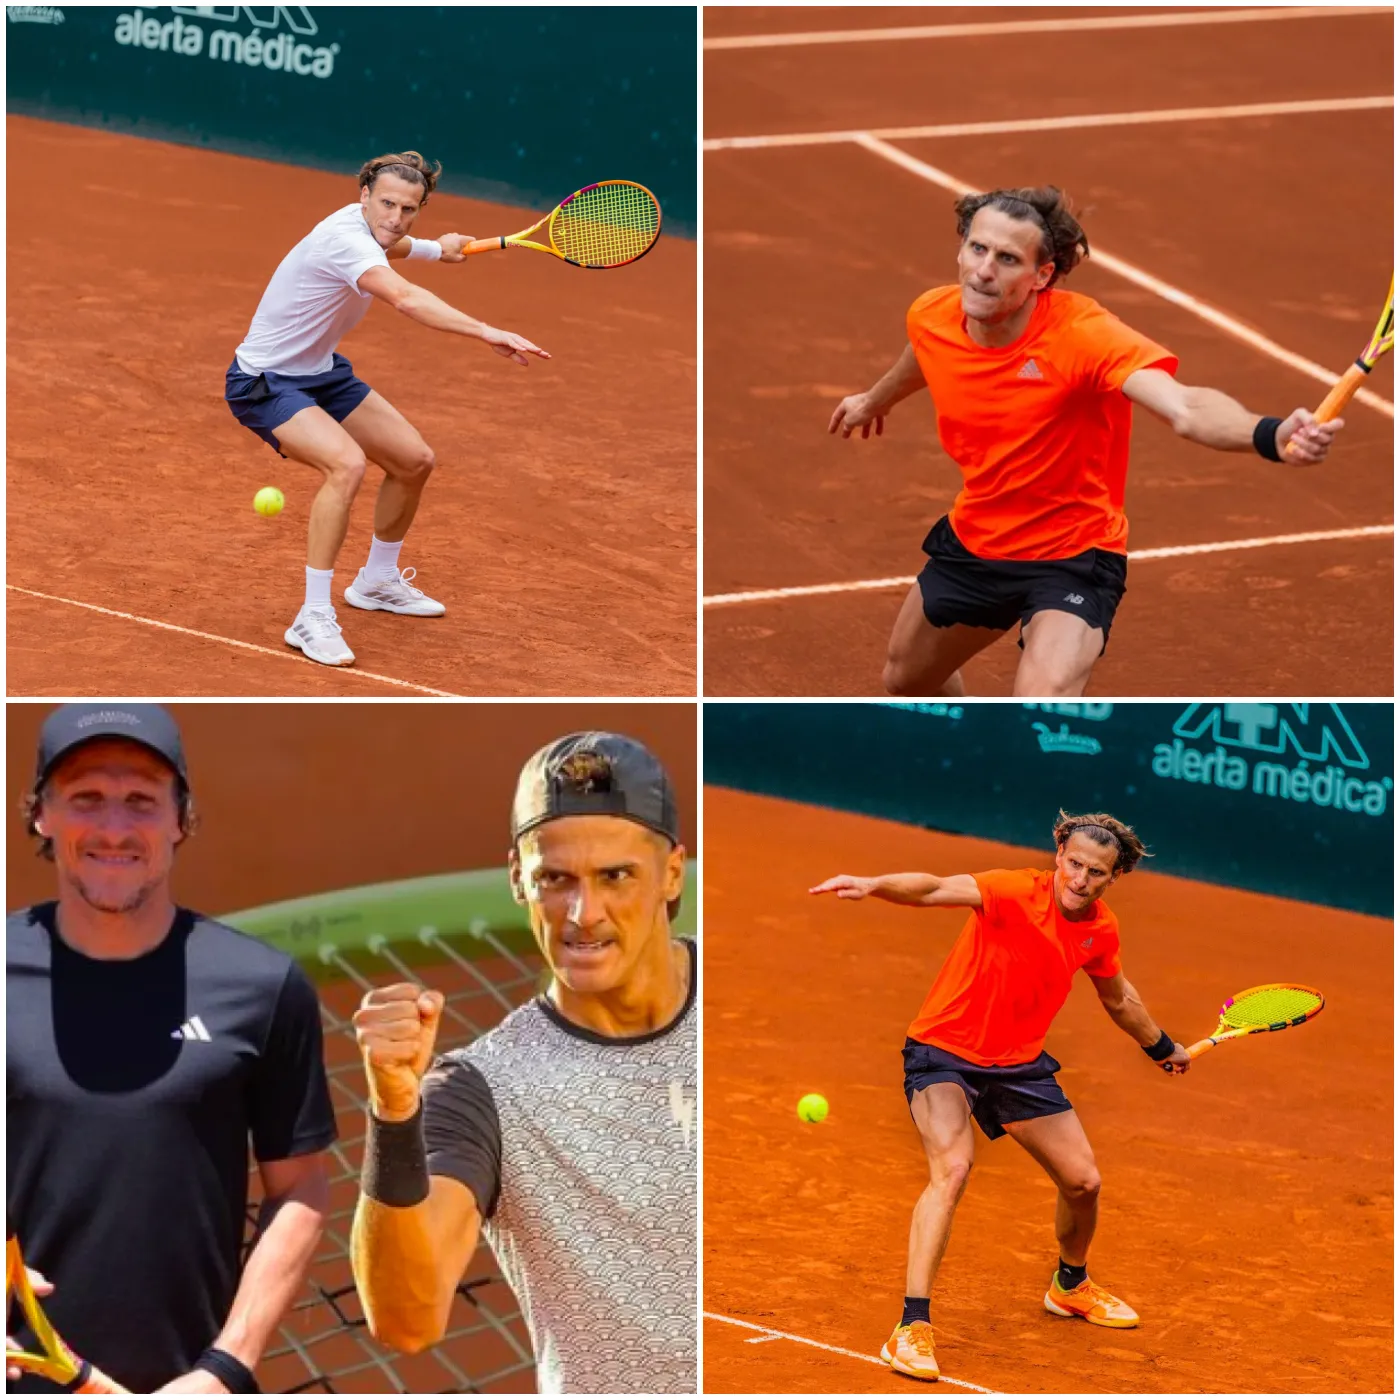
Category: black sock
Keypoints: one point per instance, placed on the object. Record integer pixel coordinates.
(915, 1310)
(1072, 1275)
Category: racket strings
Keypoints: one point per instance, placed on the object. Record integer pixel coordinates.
(607, 225)
(1270, 1006)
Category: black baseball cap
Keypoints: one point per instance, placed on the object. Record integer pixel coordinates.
(152, 726)
(595, 774)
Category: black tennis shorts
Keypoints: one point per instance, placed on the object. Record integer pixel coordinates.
(996, 1094)
(958, 587)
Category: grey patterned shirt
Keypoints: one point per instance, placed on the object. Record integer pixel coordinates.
(581, 1153)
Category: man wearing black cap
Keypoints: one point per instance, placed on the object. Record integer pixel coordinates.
(146, 1047)
(567, 1133)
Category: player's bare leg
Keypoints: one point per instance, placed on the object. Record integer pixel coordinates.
(944, 1122)
(923, 659)
(1059, 656)
(314, 438)
(1059, 1145)
(390, 440)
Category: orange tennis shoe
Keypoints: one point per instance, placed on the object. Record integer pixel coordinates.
(910, 1352)
(1089, 1301)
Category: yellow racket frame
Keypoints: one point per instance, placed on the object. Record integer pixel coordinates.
(56, 1362)
(523, 238)
(1225, 1031)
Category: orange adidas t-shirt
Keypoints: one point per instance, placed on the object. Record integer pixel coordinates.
(1009, 972)
(1039, 429)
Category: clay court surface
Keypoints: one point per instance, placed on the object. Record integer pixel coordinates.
(558, 528)
(1276, 216)
(1247, 1207)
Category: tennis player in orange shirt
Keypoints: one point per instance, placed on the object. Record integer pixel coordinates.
(976, 1050)
(1033, 388)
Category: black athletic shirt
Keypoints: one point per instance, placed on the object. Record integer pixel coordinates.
(134, 1088)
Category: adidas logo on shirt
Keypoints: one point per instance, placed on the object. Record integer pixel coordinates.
(193, 1029)
(1030, 370)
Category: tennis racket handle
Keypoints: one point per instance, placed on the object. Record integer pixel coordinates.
(1338, 397)
(1200, 1048)
(483, 245)
(91, 1381)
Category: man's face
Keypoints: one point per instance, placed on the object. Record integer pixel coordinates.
(597, 890)
(390, 206)
(112, 813)
(1083, 871)
(997, 266)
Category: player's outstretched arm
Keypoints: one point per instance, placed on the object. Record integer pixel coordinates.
(1213, 419)
(903, 378)
(923, 891)
(422, 306)
(1126, 1010)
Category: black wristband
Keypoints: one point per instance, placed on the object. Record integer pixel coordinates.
(1266, 438)
(395, 1171)
(1161, 1050)
(229, 1370)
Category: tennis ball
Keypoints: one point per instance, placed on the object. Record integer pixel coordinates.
(812, 1108)
(269, 501)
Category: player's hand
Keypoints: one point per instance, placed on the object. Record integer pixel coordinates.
(194, 1383)
(42, 1288)
(855, 411)
(1178, 1062)
(512, 346)
(395, 1028)
(846, 886)
(452, 245)
(1301, 438)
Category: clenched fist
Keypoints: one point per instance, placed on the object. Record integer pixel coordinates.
(395, 1028)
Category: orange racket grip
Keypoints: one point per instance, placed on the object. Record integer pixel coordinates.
(94, 1382)
(483, 245)
(1200, 1047)
(1338, 397)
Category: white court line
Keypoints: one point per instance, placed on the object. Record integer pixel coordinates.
(350, 672)
(1035, 26)
(1147, 281)
(1178, 551)
(1146, 117)
(771, 1334)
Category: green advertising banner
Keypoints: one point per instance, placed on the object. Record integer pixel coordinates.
(521, 104)
(1291, 800)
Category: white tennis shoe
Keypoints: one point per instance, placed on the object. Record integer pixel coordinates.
(395, 594)
(316, 633)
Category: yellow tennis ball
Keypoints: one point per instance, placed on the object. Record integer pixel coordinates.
(812, 1108)
(269, 501)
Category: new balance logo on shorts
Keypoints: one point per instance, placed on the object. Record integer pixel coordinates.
(1076, 598)
(1030, 370)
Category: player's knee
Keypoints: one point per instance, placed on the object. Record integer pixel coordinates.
(1083, 1186)
(950, 1174)
(346, 473)
(417, 465)
(896, 677)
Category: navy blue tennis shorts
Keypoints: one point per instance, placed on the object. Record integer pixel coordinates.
(263, 402)
(996, 1094)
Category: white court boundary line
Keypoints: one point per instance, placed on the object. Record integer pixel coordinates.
(1034, 26)
(771, 1334)
(350, 672)
(765, 595)
(1145, 117)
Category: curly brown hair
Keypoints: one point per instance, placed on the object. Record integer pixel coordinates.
(33, 801)
(407, 165)
(1062, 241)
(1103, 830)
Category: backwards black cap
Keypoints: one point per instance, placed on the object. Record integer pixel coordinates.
(152, 726)
(594, 774)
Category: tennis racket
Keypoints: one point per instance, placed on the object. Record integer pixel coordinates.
(1271, 1008)
(55, 1362)
(1382, 339)
(609, 224)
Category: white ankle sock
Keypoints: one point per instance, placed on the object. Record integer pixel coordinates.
(318, 587)
(383, 558)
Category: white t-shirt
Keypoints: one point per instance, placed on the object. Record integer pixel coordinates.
(312, 299)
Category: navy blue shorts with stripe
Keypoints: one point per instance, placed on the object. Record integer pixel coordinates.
(263, 402)
(996, 1094)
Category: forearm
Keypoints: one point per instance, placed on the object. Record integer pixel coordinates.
(398, 1272)
(903, 378)
(289, 1230)
(1132, 1016)
(908, 888)
(431, 311)
(1216, 420)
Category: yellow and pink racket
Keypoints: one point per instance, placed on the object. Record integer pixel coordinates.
(1275, 1007)
(609, 224)
(55, 1362)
